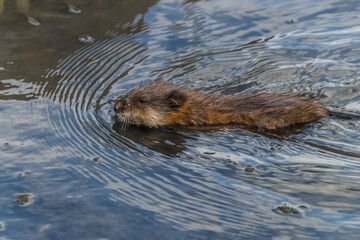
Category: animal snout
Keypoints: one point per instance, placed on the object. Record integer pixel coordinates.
(122, 104)
(119, 106)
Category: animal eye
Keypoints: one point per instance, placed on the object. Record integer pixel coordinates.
(143, 101)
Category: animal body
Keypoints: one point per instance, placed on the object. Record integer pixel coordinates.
(163, 104)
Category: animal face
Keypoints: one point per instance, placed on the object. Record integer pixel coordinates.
(149, 105)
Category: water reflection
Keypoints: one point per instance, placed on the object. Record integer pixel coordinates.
(164, 140)
(23, 5)
(21, 42)
(61, 145)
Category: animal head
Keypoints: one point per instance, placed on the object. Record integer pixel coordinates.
(149, 105)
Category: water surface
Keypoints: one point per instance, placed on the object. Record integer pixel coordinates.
(67, 171)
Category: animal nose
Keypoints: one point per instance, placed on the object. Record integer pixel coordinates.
(118, 106)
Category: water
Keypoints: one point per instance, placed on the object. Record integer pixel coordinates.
(68, 172)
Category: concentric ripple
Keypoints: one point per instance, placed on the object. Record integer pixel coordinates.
(199, 179)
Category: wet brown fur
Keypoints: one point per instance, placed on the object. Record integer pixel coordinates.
(166, 104)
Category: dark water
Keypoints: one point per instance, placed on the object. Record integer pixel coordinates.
(67, 171)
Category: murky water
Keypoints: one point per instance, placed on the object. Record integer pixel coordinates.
(68, 172)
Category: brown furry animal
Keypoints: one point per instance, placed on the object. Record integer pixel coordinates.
(163, 104)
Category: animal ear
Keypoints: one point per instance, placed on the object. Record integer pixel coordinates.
(176, 99)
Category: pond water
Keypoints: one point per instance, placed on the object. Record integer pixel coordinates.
(67, 171)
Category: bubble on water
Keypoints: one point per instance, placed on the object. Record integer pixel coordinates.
(303, 206)
(24, 199)
(73, 9)
(230, 161)
(86, 39)
(249, 169)
(292, 21)
(288, 209)
(33, 21)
